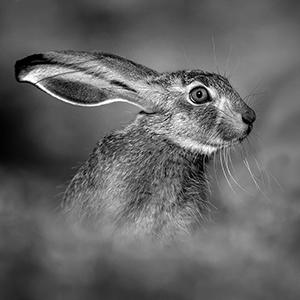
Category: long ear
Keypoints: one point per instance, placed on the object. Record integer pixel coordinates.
(87, 79)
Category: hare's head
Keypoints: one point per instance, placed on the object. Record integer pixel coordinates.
(195, 109)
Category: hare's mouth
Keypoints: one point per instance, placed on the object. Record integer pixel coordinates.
(210, 148)
(225, 144)
(204, 147)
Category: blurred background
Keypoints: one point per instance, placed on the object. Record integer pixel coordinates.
(256, 43)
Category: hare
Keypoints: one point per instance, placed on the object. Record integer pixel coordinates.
(148, 179)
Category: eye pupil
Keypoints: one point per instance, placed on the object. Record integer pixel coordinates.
(199, 94)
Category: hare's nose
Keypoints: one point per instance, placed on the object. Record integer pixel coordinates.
(248, 116)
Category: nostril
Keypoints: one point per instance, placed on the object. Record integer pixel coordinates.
(249, 116)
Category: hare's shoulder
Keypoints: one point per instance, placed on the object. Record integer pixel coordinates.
(87, 179)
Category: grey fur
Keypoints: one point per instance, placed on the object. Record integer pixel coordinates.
(148, 179)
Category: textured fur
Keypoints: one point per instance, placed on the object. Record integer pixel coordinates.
(142, 182)
(148, 179)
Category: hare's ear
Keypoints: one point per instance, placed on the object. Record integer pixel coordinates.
(87, 79)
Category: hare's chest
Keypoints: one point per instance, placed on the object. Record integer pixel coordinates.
(158, 204)
(153, 192)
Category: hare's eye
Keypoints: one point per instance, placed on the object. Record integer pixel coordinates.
(199, 95)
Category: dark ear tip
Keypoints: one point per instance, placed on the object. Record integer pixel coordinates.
(19, 67)
(24, 65)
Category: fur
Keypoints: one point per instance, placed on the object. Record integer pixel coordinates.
(148, 184)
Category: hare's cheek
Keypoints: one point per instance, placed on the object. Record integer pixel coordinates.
(184, 125)
(208, 120)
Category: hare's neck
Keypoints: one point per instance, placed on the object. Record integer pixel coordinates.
(168, 184)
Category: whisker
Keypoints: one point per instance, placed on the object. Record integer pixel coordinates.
(227, 62)
(236, 66)
(244, 155)
(215, 171)
(233, 178)
(253, 178)
(215, 55)
(251, 174)
(263, 170)
(225, 113)
(254, 92)
(224, 172)
(262, 173)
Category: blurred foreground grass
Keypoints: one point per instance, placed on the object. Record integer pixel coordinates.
(252, 253)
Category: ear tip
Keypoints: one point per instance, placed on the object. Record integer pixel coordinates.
(19, 70)
(24, 65)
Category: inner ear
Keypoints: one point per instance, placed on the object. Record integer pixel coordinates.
(74, 92)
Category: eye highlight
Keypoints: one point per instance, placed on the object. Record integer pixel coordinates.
(199, 95)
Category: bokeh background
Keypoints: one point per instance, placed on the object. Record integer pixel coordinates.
(250, 249)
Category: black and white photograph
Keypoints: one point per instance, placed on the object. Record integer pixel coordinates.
(150, 149)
